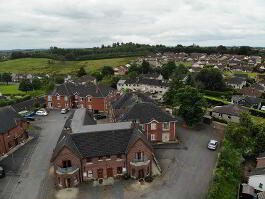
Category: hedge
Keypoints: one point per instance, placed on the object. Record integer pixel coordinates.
(215, 101)
(6, 102)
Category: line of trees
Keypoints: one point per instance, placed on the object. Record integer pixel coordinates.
(129, 49)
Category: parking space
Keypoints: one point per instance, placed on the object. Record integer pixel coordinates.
(28, 166)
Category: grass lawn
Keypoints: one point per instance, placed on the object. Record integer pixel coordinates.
(10, 89)
(41, 65)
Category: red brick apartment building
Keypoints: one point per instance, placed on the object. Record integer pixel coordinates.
(87, 151)
(12, 129)
(158, 125)
(73, 95)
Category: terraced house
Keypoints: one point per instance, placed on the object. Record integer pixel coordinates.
(87, 151)
(158, 125)
(13, 129)
(72, 95)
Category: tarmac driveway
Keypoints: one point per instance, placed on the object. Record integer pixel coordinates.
(187, 170)
(29, 167)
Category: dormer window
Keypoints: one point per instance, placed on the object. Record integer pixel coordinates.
(260, 185)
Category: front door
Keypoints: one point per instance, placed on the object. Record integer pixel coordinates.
(165, 137)
(109, 172)
(100, 173)
(141, 173)
(67, 182)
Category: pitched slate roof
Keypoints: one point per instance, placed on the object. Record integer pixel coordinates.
(99, 141)
(235, 80)
(261, 155)
(145, 113)
(145, 81)
(129, 99)
(69, 89)
(245, 76)
(85, 78)
(257, 171)
(8, 117)
(230, 109)
(27, 105)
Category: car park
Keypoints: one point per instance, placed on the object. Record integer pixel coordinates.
(42, 112)
(212, 145)
(2, 172)
(64, 110)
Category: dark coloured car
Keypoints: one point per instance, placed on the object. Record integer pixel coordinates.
(2, 172)
(100, 117)
(28, 118)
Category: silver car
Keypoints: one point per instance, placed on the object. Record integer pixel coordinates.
(212, 145)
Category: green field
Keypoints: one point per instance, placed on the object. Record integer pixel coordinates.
(42, 65)
(11, 89)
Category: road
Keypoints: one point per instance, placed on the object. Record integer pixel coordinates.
(26, 182)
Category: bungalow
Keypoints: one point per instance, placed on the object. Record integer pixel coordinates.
(230, 113)
(96, 152)
(157, 87)
(157, 125)
(235, 82)
(256, 177)
(247, 101)
(13, 129)
(86, 79)
(71, 95)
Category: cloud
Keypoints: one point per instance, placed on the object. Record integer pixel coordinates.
(79, 23)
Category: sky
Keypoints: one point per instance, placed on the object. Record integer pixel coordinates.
(31, 24)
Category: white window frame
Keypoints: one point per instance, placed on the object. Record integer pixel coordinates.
(168, 127)
(90, 174)
(153, 137)
(65, 98)
(58, 97)
(153, 126)
(49, 98)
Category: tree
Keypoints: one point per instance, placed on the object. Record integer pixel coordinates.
(81, 72)
(146, 68)
(6, 77)
(59, 79)
(168, 69)
(25, 85)
(174, 85)
(211, 78)
(36, 83)
(192, 105)
(107, 70)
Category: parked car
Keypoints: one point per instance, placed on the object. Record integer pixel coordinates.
(2, 172)
(212, 145)
(99, 117)
(42, 112)
(28, 118)
(262, 108)
(64, 110)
